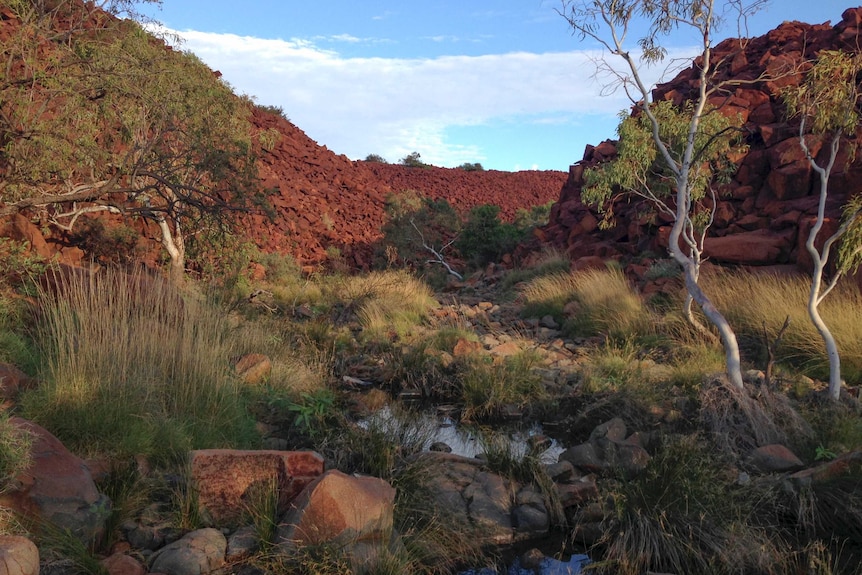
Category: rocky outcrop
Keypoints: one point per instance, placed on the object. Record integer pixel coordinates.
(763, 215)
(18, 556)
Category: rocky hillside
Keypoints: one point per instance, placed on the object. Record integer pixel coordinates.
(764, 214)
(323, 199)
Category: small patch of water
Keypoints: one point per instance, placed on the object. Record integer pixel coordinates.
(548, 566)
(438, 426)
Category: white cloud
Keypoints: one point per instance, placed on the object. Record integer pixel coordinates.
(391, 106)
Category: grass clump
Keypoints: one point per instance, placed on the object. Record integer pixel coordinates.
(680, 516)
(589, 302)
(782, 296)
(132, 368)
(488, 386)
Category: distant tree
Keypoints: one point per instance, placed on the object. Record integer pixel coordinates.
(377, 158)
(609, 22)
(114, 122)
(468, 167)
(413, 160)
(827, 103)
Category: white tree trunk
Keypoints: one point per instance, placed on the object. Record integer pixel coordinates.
(175, 246)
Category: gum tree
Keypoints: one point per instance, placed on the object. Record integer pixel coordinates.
(97, 115)
(610, 23)
(827, 103)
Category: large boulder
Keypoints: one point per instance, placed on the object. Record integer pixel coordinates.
(57, 487)
(339, 509)
(227, 480)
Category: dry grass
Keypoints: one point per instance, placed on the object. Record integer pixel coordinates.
(604, 301)
(752, 300)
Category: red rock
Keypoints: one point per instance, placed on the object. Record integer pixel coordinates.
(57, 487)
(338, 508)
(226, 478)
(748, 248)
(464, 347)
(774, 458)
(12, 380)
(121, 564)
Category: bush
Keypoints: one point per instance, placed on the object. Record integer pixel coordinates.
(484, 238)
(414, 220)
(487, 387)
(413, 160)
(376, 158)
(468, 167)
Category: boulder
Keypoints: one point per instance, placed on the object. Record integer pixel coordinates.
(227, 480)
(774, 458)
(339, 509)
(57, 487)
(197, 553)
(122, 564)
(12, 380)
(18, 556)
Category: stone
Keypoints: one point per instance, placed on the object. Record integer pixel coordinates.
(242, 543)
(122, 564)
(253, 368)
(197, 553)
(12, 381)
(57, 487)
(465, 347)
(774, 458)
(614, 430)
(226, 479)
(339, 509)
(847, 464)
(18, 556)
(577, 493)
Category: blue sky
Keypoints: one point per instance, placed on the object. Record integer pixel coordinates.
(500, 82)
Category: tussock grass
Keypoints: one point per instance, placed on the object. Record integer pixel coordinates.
(387, 302)
(488, 386)
(133, 368)
(549, 262)
(681, 516)
(604, 303)
(752, 300)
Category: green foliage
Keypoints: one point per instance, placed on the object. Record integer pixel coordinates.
(18, 263)
(313, 410)
(468, 167)
(114, 244)
(413, 160)
(484, 238)
(536, 216)
(274, 110)
(415, 221)
(377, 158)
(640, 170)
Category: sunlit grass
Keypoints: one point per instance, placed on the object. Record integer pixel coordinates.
(133, 368)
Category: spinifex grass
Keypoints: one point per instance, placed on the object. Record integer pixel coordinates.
(603, 302)
(133, 368)
(754, 301)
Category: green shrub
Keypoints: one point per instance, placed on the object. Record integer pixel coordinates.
(414, 222)
(484, 238)
(468, 167)
(413, 160)
(376, 158)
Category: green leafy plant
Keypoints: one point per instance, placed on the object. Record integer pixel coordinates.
(484, 238)
(312, 410)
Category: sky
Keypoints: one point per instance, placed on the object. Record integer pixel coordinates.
(500, 82)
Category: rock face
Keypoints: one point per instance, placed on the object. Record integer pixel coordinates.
(57, 487)
(228, 480)
(763, 215)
